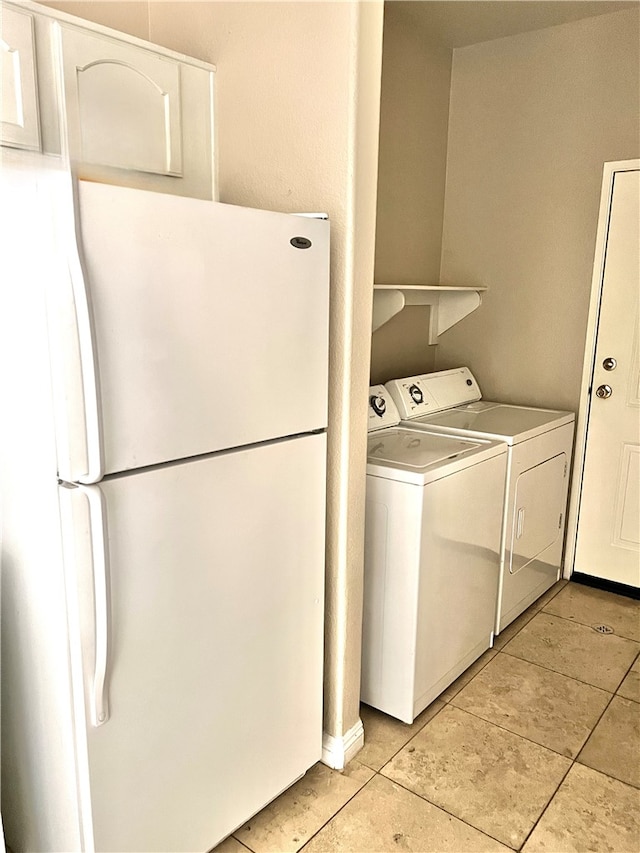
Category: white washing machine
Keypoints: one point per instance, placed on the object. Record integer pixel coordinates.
(432, 558)
(540, 443)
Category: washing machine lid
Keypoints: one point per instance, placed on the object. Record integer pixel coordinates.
(418, 456)
(499, 421)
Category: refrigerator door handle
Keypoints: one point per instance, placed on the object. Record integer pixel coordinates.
(87, 354)
(99, 701)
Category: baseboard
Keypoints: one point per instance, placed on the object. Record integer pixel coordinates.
(337, 752)
(609, 586)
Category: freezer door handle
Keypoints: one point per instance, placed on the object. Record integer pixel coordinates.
(87, 355)
(99, 702)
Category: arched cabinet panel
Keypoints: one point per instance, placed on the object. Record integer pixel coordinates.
(19, 101)
(123, 105)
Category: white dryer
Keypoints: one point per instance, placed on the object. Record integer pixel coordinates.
(540, 443)
(432, 558)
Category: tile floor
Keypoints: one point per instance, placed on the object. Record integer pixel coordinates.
(535, 748)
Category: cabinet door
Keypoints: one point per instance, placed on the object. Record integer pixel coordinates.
(19, 101)
(130, 109)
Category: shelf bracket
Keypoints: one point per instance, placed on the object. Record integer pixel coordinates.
(386, 304)
(453, 307)
(448, 305)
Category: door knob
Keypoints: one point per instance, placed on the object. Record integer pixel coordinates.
(609, 364)
(604, 391)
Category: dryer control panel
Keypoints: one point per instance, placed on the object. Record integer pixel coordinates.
(416, 396)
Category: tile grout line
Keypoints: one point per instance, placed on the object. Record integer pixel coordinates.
(528, 739)
(612, 694)
(596, 769)
(593, 730)
(549, 801)
(446, 811)
(633, 663)
(235, 839)
(515, 734)
(445, 702)
(575, 622)
(475, 674)
(524, 612)
(574, 760)
(524, 737)
(563, 674)
(346, 802)
(335, 814)
(409, 740)
(579, 680)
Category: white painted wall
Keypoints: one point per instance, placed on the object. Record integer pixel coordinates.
(414, 109)
(298, 94)
(532, 119)
(130, 17)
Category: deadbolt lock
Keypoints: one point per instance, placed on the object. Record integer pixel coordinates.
(604, 391)
(609, 364)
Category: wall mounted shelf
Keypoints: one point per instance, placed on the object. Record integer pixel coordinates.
(448, 304)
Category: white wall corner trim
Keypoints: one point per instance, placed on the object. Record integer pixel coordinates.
(337, 752)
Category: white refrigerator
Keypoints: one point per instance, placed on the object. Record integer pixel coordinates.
(164, 576)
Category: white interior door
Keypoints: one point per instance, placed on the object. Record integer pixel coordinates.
(609, 512)
(214, 644)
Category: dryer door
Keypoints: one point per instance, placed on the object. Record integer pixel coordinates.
(538, 511)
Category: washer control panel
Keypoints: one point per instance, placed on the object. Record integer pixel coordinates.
(416, 396)
(382, 411)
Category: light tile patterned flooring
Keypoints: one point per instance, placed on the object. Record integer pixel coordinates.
(535, 748)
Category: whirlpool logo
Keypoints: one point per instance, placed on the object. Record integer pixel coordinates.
(300, 243)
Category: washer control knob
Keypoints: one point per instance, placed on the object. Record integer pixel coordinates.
(604, 391)
(378, 404)
(609, 364)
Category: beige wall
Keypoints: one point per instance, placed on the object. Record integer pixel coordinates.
(414, 108)
(532, 120)
(130, 17)
(298, 93)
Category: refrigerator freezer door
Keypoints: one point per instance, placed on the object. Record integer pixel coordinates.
(214, 676)
(210, 324)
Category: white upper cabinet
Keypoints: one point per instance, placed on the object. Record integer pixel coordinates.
(19, 101)
(122, 104)
(122, 110)
(136, 117)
